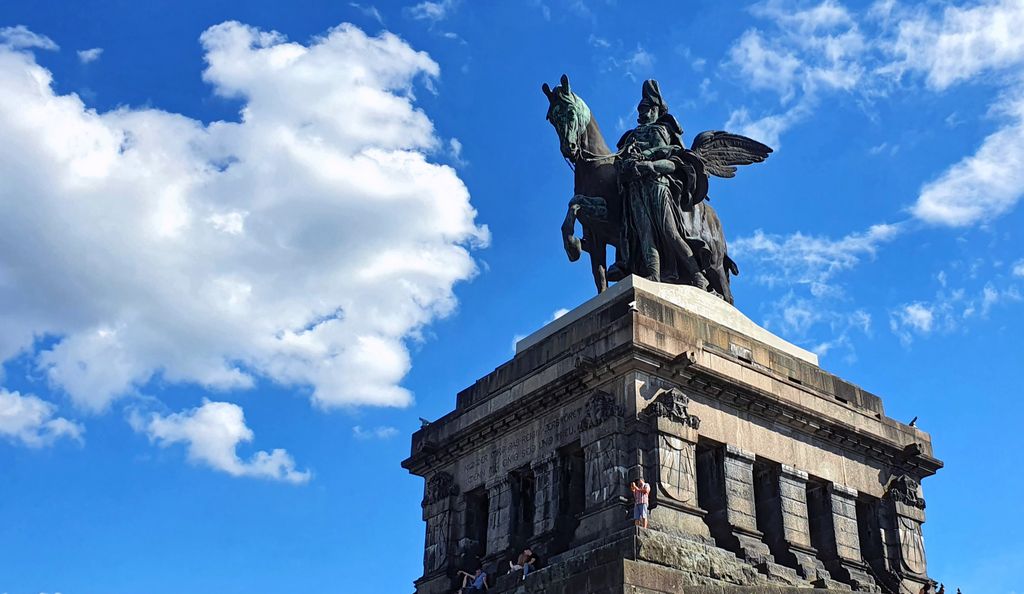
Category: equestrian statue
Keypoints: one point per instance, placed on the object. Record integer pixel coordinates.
(649, 198)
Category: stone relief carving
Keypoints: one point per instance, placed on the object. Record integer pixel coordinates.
(440, 485)
(673, 405)
(677, 470)
(600, 407)
(911, 546)
(905, 490)
(435, 555)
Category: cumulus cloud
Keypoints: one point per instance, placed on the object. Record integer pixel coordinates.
(1018, 269)
(981, 186)
(304, 244)
(211, 434)
(810, 50)
(383, 432)
(90, 55)
(814, 49)
(959, 45)
(29, 420)
(20, 37)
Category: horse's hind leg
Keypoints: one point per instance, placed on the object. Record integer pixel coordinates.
(719, 280)
(597, 264)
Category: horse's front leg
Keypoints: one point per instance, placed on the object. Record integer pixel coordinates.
(569, 239)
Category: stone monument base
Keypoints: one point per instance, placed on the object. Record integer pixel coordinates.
(768, 474)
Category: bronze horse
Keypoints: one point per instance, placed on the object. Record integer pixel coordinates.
(597, 203)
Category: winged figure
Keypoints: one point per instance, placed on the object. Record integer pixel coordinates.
(657, 214)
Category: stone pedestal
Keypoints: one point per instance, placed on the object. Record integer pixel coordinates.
(757, 457)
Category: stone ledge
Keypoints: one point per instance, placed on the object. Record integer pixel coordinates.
(691, 299)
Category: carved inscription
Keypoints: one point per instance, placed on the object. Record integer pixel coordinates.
(522, 447)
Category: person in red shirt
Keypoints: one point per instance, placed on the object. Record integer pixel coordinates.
(641, 492)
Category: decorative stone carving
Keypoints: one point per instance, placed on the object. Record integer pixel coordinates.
(437, 513)
(904, 489)
(435, 554)
(911, 546)
(600, 407)
(677, 471)
(440, 485)
(672, 404)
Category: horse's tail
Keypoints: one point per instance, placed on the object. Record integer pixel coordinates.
(730, 266)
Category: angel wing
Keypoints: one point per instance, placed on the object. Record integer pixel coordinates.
(722, 151)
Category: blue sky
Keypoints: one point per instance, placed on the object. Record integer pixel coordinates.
(244, 246)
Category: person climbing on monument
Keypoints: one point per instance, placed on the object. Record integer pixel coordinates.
(662, 237)
(475, 582)
(641, 493)
(525, 562)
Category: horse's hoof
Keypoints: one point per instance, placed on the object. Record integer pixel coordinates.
(572, 248)
(616, 273)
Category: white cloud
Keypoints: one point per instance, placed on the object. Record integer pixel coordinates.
(805, 21)
(950, 309)
(912, 318)
(807, 259)
(964, 42)
(20, 37)
(304, 244)
(635, 63)
(1018, 268)
(809, 51)
(957, 46)
(767, 129)
(432, 11)
(805, 319)
(455, 150)
(981, 186)
(383, 432)
(815, 311)
(90, 55)
(559, 313)
(29, 420)
(765, 67)
(212, 433)
(368, 10)
(917, 316)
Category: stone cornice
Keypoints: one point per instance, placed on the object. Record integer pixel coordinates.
(589, 373)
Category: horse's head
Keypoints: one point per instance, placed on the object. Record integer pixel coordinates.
(569, 115)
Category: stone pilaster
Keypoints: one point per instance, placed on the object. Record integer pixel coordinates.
(740, 508)
(437, 506)
(605, 466)
(545, 503)
(499, 520)
(906, 508)
(673, 445)
(838, 539)
(796, 528)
